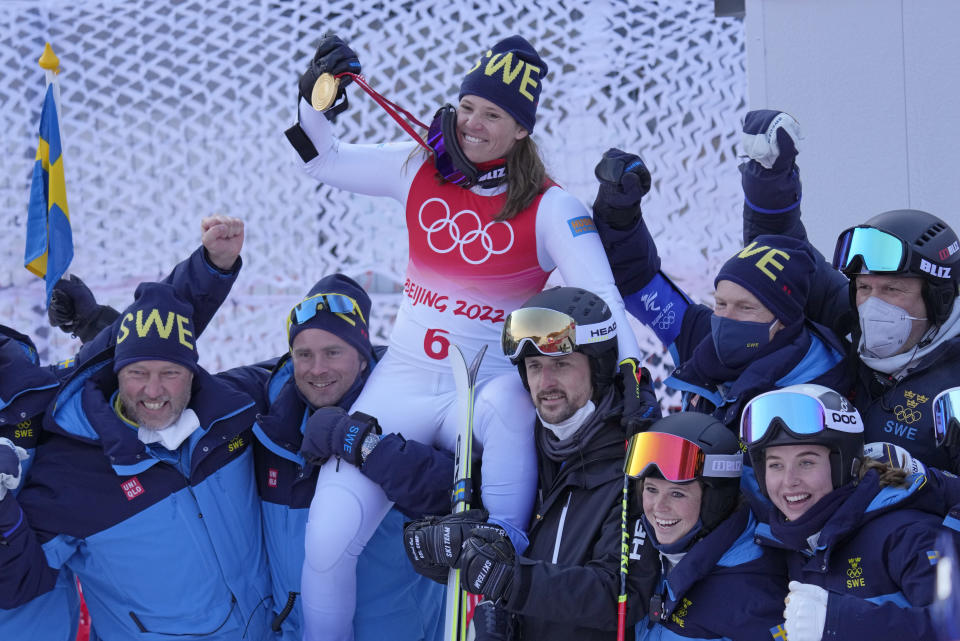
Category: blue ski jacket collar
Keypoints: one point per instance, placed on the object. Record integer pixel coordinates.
(280, 429)
(83, 411)
(813, 355)
(867, 502)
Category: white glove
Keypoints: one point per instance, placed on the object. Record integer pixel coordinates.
(806, 612)
(762, 146)
(10, 462)
(894, 455)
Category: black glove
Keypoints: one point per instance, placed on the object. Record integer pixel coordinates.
(487, 564)
(624, 180)
(74, 309)
(640, 405)
(434, 543)
(333, 56)
(333, 432)
(490, 623)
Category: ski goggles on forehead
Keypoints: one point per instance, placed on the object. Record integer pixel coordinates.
(946, 414)
(333, 303)
(677, 459)
(878, 250)
(550, 332)
(799, 414)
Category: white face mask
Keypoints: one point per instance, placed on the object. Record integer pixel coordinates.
(569, 427)
(885, 327)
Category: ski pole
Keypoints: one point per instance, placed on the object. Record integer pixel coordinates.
(624, 560)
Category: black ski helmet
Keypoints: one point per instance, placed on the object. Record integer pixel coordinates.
(928, 238)
(841, 432)
(585, 308)
(720, 493)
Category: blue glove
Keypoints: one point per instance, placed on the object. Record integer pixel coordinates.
(333, 432)
(487, 564)
(624, 180)
(10, 457)
(640, 405)
(771, 138)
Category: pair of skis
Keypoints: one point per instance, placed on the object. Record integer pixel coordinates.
(456, 621)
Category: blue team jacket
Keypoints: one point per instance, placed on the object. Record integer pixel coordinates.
(393, 600)
(165, 543)
(26, 389)
(725, 587)
(877, 558)
(24, 398)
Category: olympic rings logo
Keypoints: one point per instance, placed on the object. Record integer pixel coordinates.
(906, 414)
(855, 572)
(479, 234)
(667, 320)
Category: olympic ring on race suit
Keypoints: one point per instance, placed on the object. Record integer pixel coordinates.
(905, 414)
(462, 240)
(854, 573)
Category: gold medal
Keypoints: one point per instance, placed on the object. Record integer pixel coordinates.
(324, 91)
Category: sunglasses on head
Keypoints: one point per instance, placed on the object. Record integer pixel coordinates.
(340, 304)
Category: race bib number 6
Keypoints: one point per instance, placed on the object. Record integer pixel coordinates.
(435, 344)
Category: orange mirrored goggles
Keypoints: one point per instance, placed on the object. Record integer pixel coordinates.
(677, 459)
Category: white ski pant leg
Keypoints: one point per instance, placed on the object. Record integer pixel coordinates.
(347, 507)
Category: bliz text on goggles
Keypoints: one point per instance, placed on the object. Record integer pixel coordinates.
(677, 459)
(881, 252)
(552, 333)
(799, 414)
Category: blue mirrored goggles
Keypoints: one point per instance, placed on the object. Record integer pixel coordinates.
(877, 250)
(946, 414)
(313, 305)
(799, 414)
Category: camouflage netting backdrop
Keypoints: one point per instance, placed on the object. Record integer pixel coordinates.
(173, 110)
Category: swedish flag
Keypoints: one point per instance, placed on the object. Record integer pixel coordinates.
(49, 247)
